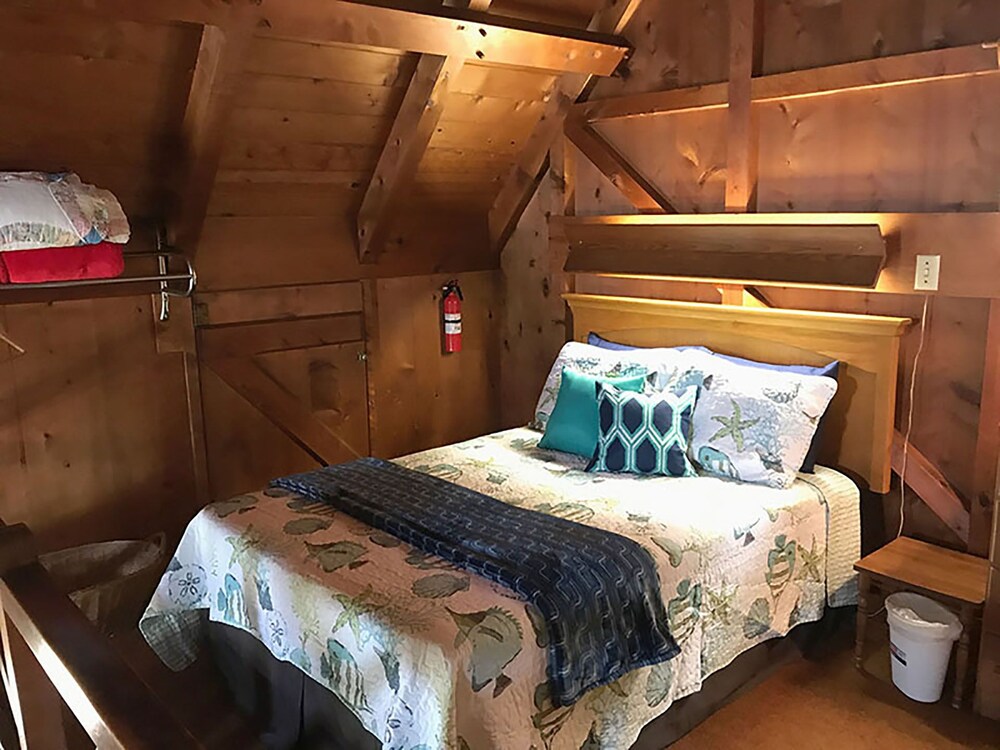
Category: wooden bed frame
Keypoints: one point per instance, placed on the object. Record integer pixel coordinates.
(861, 416)
(861, 421)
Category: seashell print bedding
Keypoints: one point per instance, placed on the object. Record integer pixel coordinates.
(429, 657)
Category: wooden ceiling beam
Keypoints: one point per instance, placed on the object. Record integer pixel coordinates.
(388, 24)
(207, 12)
(219, 64)
(411, 133)
(449, 32)
(884, 72)
(613, 16)
(642, 193)
(746, 32)
(523, 178)
(483, 5)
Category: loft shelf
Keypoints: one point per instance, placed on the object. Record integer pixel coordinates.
(757, 248)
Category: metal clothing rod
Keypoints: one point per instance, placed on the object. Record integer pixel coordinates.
(163, 278)
(102, 282)
(163, 255)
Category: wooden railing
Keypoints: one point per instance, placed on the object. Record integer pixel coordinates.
(52, 655)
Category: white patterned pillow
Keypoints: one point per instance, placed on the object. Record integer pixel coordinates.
(755, 425)
(668, 369)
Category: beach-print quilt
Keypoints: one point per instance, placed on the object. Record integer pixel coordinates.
(572, 574)
(430, 657)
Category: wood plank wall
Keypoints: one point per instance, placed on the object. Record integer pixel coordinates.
(97, 438)
(94, 437)
(932, 147)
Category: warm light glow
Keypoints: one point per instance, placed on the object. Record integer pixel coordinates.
(884, 221)
(737, 282)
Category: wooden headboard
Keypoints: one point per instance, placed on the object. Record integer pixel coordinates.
(862, 414)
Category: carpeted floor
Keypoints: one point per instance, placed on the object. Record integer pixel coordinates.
(828, 705)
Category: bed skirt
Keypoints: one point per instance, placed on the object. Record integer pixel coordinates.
(291, 711)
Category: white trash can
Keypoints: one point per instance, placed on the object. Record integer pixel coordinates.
(921, 635)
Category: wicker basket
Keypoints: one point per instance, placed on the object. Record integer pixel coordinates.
(111, 582)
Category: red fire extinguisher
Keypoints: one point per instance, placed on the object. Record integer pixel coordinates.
(451, 313)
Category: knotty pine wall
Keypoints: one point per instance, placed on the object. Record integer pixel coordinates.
(932, 147)
(94, 434)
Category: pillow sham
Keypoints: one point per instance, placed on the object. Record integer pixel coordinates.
(595, 339)
(644, 433)
(572, 426)
(756, 425)
(831, 370)
(40, 210)
(666, 369)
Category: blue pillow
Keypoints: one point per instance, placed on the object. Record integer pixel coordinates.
(572, 427)
(602, 343)
(831, 370)
(644, 434)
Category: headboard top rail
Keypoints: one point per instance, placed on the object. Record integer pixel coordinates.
(869, 325)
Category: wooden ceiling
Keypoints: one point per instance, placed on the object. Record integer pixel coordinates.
(381, 108)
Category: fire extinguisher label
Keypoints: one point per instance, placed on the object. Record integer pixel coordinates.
(453, 329)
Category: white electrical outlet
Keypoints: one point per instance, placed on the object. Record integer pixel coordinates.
(928, 272)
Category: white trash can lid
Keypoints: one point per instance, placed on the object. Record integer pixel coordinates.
(922, 618)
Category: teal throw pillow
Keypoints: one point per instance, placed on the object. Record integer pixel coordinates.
(572, 427)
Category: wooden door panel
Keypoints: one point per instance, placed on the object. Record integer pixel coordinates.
(331, 382)
(245, 448)
(281, 412)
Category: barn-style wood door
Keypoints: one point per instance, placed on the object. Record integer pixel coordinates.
(284, 381)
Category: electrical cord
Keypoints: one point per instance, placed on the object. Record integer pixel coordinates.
(909, 429)
(909, 417)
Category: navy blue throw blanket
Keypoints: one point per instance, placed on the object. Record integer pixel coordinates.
(597, 592)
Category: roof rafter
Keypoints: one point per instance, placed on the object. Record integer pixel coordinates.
(642, 193)
(466, 33)
(221, 52)
(523, 178)
(884, 72)
(388, 24)
(411, 132)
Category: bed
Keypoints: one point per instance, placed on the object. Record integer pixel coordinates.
(425, 655)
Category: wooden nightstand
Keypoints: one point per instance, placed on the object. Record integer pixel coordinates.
(953, 578)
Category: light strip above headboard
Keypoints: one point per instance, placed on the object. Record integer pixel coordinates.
(862, 414)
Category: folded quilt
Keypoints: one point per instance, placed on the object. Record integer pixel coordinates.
(596, 593)
(40, 210)
(101, 261)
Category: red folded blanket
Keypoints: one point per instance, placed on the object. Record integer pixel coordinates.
(101, 261)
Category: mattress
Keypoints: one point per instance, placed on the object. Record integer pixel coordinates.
(429, 657)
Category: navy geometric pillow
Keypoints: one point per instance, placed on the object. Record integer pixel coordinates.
(644, 434)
